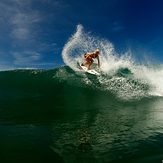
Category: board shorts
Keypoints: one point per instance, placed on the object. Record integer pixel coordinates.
(89, 60)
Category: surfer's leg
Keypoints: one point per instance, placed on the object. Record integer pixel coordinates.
(85, 64)
(90, 64)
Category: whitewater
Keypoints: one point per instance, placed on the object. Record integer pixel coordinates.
(129, 86)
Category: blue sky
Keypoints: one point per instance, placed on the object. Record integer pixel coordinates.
(33, 32)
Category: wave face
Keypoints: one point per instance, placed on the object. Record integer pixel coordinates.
(142, 81)
(122, 84)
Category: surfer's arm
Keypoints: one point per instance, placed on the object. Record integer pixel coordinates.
(98, 59)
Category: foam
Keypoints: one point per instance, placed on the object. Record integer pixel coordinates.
(81, 42)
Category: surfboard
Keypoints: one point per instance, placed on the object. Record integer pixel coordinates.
(92, 71)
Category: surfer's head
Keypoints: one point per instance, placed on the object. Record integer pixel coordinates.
(97, 52)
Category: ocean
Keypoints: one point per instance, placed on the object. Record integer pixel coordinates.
(62, 115)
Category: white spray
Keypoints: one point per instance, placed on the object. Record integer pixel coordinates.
(82, 42)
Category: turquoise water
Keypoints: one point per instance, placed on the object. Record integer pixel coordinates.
(61, 115)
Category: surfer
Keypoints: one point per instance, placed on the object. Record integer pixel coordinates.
(89, 58)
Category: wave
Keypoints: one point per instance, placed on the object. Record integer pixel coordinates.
(65, 81)
(113, 64)
(120, 77)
